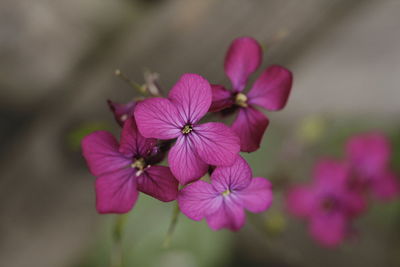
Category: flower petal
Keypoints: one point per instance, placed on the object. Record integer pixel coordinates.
(355, 203)
(221, 98)
(215, 143)
(158, 118)
(192, 97)
(133, 143)
(122, 112)
(116, 191)
(331, 173)
(300, 201)
(271, 90)
(244, 56)
(386, 186)
(257, 197)
(100, 149)
(369, 153)
(230, 215)
(158, 182)
(250, 125)
(235, 178)
(198, 199)
(184, 162)
(329, 229)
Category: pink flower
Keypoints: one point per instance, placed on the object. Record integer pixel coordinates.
(123, 169)
(369, 155)
(270, 91)
(122, 112)
(327, 203)
(222, 202)
(197, 144)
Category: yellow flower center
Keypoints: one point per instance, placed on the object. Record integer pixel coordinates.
(139, 164)
(187, 129)
(241, 100)
(226, 192)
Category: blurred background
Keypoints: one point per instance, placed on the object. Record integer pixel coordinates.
(57, 63)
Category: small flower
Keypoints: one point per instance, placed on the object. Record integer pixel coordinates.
(270, 91)
(122, 112)
(123, 169)
(369, 155)
(222, 202)
(327, 203)
(197, 145)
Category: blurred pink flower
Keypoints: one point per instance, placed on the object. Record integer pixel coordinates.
(222, 202)
(122, 112)
(123, 169)
(369, 155)
(197, 145)
(327, 203)
(270, 91)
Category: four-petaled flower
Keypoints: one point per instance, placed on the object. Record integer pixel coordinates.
(327, 203)
(369, 155)
(123, 169)
(197, 145)
(222, 202)
(270, 91)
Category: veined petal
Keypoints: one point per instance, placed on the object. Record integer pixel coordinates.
(122, 112)
(116, 191)
(133, 143)
(369, 153)
(184, 162)
(100, 149)
(271, 90)
(158, 182)
(198, 199)
(230, 215)
(250, 125)
(329, 229)
(257, 197)
(158, 118)
(235, 177)
(300, 201)
(221, 98)
(192, 97)
(215, 143)
(244, 56)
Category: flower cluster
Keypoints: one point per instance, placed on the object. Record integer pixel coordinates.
(170, 127)
(339, 190)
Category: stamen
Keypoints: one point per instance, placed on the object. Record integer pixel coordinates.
(226, 192)
(187, 129)
(139, 164)
(124, 117)
(241, 100)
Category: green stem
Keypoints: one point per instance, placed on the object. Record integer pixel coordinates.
(116, 253)
(172, 226)
(131, 83)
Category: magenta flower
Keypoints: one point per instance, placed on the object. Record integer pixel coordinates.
(123, 169)
(327, 203)
(197, 145)
(222, 202)
(122, 112)
(369, 155)
(270, 91)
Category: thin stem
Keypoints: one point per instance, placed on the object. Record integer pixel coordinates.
(132, 84)
(116, 253)
(171, 228)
